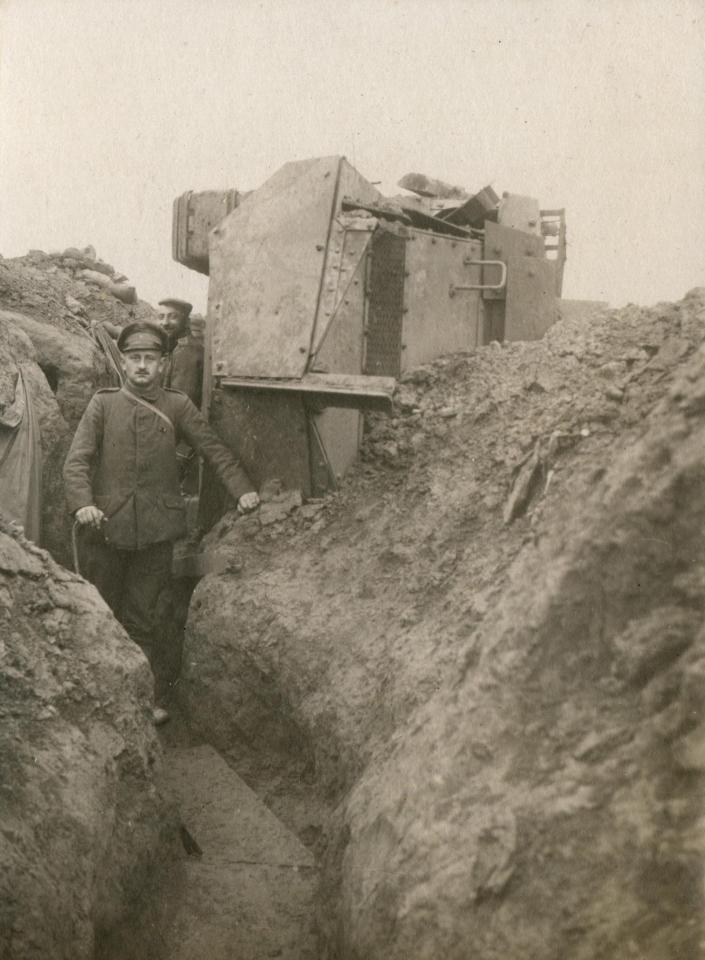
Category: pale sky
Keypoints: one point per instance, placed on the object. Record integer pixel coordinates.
(111, 108)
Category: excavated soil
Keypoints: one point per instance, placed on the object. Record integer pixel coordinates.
(53, 289)
(82, 819)
(82, 822)
(470, 681)
(484, 655)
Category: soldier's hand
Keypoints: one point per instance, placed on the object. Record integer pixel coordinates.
(90, 516)
(248, 502)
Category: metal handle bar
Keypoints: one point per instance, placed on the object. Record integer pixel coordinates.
(482, 286)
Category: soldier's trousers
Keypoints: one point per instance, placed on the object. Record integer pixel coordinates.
(131, 583)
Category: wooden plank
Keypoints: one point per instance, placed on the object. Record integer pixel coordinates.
(474, 210)
(424, 221)
(333, 389)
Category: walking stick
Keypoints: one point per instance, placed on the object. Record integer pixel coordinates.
(74, 546)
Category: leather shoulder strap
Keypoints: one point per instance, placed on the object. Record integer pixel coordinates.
(149, 406)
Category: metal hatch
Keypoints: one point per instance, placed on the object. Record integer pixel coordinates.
(531, 306)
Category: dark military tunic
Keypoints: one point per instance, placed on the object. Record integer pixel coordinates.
(184, 368)
(123, 460)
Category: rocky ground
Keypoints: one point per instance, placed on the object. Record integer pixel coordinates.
(65, 290)
(484, 654)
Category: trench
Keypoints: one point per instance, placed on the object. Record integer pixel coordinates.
(238, 878)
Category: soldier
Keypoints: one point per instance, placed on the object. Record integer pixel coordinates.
(183, 370)
(184, 367)
(173, 317)
(122, 483)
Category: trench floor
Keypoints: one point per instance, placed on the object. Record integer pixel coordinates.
(248, 883)
(236, 882)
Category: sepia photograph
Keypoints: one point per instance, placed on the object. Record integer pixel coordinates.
(352, 480)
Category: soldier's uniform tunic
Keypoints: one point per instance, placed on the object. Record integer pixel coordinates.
(123, 461)
(184, 368)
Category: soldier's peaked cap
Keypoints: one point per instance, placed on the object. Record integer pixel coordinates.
(183, 305)
(142, 336)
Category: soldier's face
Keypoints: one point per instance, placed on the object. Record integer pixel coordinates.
(172, 320)
(142, 368)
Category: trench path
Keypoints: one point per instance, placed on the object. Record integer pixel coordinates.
(249, 892)
(238, 884)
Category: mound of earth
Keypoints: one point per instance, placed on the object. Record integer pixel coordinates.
(487, 651)
(64, 289)
(81, 821)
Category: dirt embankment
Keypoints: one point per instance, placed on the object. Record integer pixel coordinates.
(487, 652)
(81, 821)
(481, 661)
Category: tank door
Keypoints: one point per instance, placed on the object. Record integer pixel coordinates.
(531, 306)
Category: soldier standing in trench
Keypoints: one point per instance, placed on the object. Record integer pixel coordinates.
(122, 484)
(183, 370)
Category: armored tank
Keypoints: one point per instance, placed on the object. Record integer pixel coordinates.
(322, 293)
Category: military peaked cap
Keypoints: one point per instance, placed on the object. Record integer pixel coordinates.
(142, 335)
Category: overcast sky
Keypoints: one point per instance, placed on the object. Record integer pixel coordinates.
(111, 108)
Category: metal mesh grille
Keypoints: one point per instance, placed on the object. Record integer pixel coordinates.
(386, 305)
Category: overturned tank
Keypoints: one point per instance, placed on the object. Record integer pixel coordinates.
(323, 293)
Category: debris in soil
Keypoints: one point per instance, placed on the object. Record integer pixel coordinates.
(489, 643)
(471, 680)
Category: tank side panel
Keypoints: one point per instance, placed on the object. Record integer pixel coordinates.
(266, 263)
(504, 243)
(343, 286)
(531, 306)
(435, 322)
(350, 186)
(341, 350)
(520, 213)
